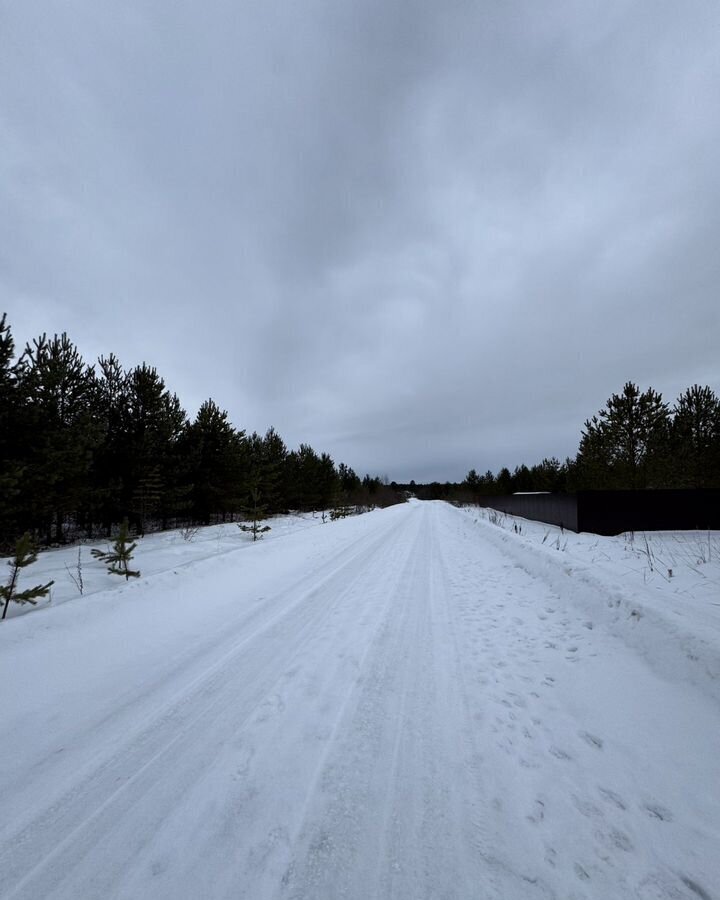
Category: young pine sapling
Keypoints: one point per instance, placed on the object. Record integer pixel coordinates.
(25, 555)
(118, 559)
(256, 513)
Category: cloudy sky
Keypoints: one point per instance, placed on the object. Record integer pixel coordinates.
(421, 235)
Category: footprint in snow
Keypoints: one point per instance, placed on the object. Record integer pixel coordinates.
(559, 754)
(695, 887)
(619, 839)
(591, 739)
(656, 811)
(581, 872)
(538, 812)
(586, 808)
(663, 884)
(612, 797)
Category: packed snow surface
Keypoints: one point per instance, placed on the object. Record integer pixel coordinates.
(414, 703)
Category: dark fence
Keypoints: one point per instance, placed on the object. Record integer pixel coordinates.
(555, 509)
(613, 512)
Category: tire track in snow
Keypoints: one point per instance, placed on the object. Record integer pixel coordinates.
(397, 815)
(336, 798)
(104, 782)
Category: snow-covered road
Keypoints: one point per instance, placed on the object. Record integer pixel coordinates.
(386, 707)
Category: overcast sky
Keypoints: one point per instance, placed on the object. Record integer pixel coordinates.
(423, 236)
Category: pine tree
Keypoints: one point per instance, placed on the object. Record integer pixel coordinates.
(12, 443)
(347, 485)
(522, 478)
(548, 475)
(217, 456)
(504, 481)
(271, 470)
(308, 478)
(349, 481)
(109, 458)
(273, 457)
(256, 513)
(60, 393)
(624, 446)
(328, 482)
(118, 559)
(695, 439)
(25, 555)
(154, 423)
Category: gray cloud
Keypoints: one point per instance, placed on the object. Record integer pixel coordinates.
(422, 236)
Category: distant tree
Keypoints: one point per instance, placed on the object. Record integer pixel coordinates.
(625, 444)
(369, 490)
(504, 481)
(306, 467)
(153, 425)
(548, 475)
(695, 439)
(25, 555)
(471, 488)
(344, 486)
(218, 462)
(570, 475)
(268, 469)
(522, 479)
(488, 484)
(327, 481)
(110, 461)
(13, 445)
(350, 485)
(273, 455)
(60, 392)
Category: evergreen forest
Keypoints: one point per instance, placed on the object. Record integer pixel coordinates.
(84, 448)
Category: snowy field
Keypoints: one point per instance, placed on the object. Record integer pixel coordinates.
(414, 703)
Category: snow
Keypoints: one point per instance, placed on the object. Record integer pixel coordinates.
(411, 703)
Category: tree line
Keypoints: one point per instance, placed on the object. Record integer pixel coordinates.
(635, 442)
(84, 447)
